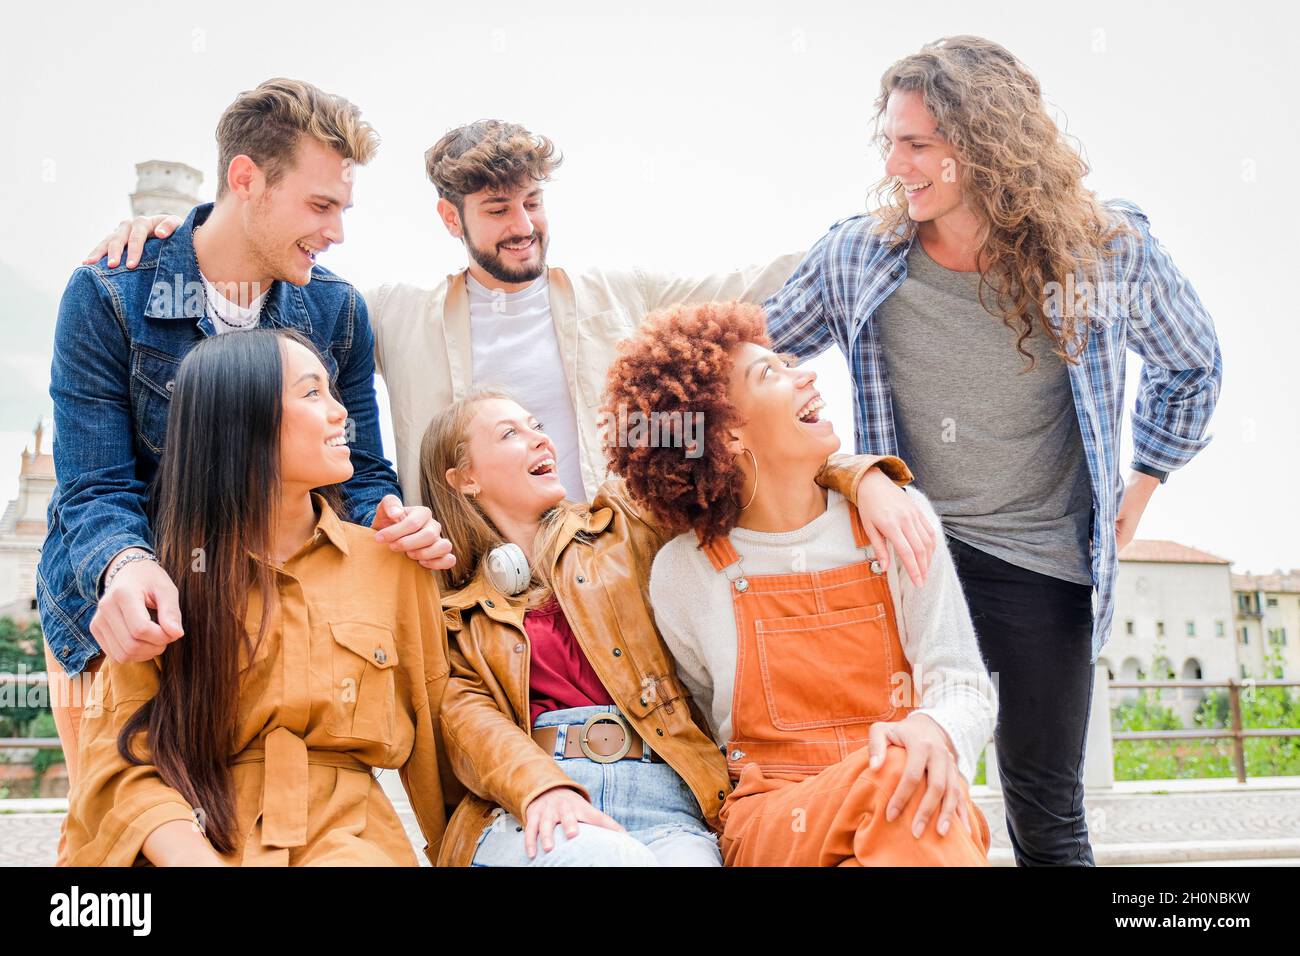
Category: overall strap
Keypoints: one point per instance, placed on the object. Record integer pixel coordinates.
(722, 554)
(720, 551)
(860, 537)
(859, 533)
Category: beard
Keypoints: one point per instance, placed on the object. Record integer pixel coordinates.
(492, 262)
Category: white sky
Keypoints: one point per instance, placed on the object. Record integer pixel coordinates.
(699, 142)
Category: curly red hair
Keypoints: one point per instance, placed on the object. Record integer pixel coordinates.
(679, 361)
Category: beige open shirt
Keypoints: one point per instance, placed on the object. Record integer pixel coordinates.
(423, 346)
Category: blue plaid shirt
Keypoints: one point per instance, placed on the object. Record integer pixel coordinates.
(1141, 302)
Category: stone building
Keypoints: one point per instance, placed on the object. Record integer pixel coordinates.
(165, 187)
(1173, 619)
(161, 187)
(22, 530)
(1267, 622)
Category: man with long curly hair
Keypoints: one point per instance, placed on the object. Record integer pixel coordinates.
(985, 309)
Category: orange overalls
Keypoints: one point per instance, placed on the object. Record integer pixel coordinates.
(817, 658)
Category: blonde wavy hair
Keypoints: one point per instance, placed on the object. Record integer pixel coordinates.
(465, 524)
(266, 124)
(1020, 176)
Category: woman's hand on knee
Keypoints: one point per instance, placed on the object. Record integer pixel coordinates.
(566, 807)
(931, 764)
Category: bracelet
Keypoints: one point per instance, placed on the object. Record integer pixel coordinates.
(122, 562)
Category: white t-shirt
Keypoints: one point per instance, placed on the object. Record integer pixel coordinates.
(694, 612)
(229, 316)
(514, 346)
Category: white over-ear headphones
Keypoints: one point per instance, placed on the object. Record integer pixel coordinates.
(507, 569)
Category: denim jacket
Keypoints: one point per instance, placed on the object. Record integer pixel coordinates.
(119, 340)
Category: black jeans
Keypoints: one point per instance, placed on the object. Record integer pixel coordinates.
(1035, 632)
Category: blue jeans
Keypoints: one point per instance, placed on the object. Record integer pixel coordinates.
(656, 807)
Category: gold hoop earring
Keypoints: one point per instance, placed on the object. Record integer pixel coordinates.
(755, 494)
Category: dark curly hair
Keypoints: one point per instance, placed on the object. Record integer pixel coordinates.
(678, 361)
(488, 153)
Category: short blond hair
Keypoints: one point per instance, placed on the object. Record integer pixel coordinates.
(266, 124)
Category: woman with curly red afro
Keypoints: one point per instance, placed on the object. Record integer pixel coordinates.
(800, 649)
(679, 366)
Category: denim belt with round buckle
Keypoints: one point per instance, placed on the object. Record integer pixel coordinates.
(611, 718)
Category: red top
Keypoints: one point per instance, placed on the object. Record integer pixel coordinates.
(560, 676)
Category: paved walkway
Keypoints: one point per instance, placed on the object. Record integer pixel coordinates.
(1176, 822)
(1179, 822)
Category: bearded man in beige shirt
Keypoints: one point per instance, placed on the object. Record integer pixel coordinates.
(432, 345)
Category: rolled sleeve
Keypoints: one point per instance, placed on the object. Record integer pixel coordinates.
(1182, 367)
(843, 473)
(122, 831)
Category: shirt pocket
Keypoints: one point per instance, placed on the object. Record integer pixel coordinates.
(827, 669)
(364, 660)
(153, 376)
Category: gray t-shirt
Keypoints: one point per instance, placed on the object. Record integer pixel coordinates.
(996, 449)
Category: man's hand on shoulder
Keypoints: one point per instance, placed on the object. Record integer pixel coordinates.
(413, 531)
(131, 234)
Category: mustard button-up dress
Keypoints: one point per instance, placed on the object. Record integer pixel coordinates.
(349, 677)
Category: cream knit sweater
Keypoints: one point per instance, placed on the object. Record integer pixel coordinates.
(692, 605)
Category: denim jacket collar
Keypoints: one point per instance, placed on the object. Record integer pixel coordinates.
(178, 293)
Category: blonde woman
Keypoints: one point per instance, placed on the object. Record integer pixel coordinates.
(564, 714)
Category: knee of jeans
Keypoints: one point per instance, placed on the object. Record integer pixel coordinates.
(599, 846)
(683, 847)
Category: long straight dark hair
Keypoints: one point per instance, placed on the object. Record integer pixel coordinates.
(212, 504)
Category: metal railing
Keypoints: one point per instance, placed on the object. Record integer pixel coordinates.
(1234, 731)
(28, 743)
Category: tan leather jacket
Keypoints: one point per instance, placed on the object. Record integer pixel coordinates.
(600, 580)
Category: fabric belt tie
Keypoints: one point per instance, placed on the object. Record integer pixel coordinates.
(284, 783)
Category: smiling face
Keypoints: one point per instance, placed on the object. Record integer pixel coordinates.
(920, 158)
(505, 233)
(289, 225)
(511, 469)
(313, 447)
(782, 408)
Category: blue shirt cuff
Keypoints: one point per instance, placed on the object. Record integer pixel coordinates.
(1148, 470)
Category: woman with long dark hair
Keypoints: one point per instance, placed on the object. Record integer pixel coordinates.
(312, 654)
